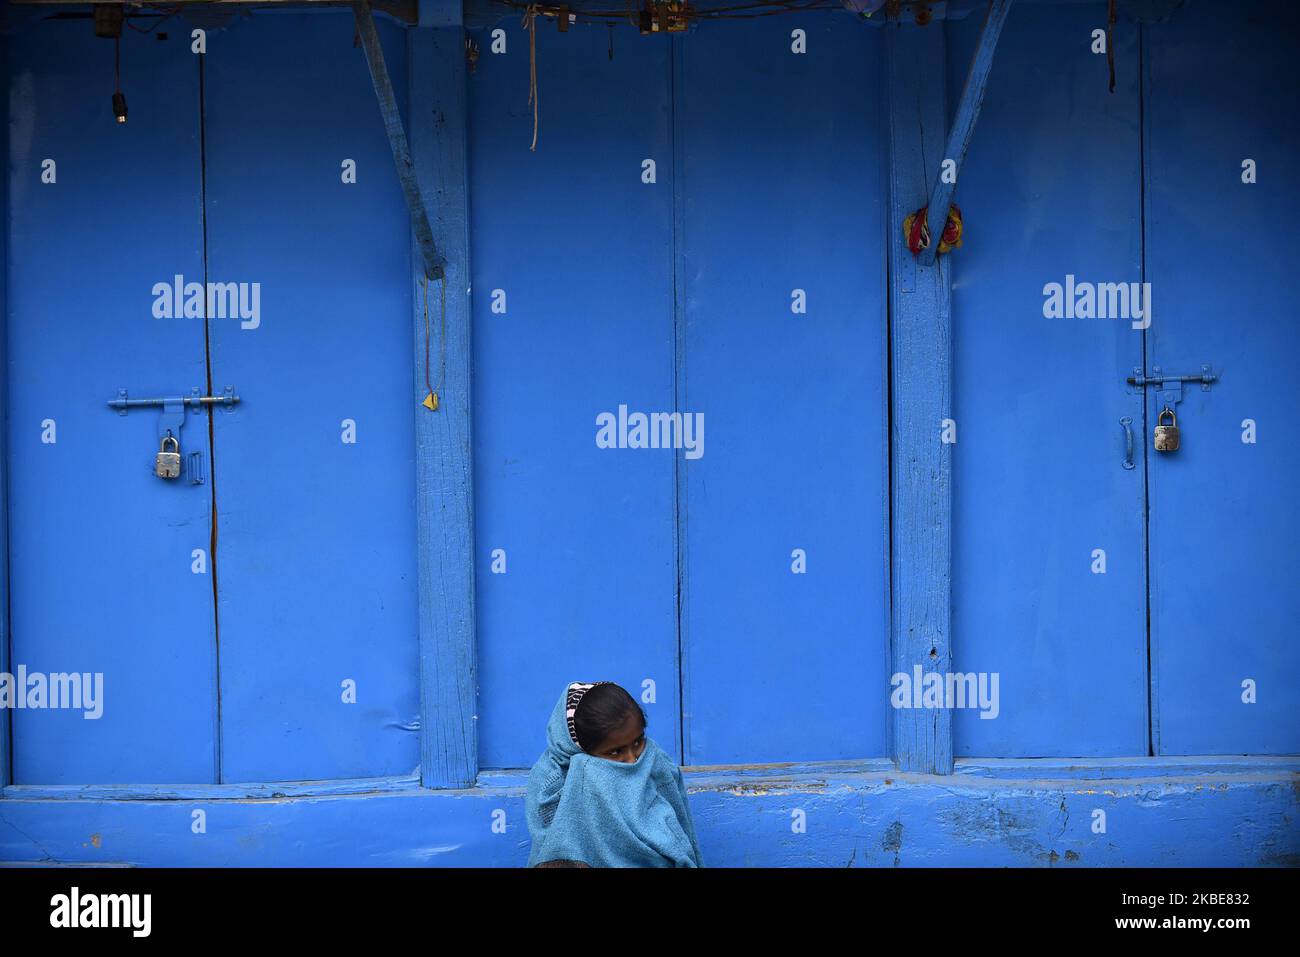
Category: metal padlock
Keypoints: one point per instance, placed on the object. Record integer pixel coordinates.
(1167, 435)
(168, 464)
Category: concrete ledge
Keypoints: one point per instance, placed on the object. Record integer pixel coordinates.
(1224, 812)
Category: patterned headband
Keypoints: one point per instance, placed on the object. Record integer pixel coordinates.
(576, 690)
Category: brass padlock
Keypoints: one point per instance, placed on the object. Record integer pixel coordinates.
(1167, 435)
(168, 464)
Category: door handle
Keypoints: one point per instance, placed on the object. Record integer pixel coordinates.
(1127, 422)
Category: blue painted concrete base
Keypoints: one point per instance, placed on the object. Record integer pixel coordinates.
(1156, 812)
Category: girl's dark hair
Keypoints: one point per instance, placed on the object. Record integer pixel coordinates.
(601, 712)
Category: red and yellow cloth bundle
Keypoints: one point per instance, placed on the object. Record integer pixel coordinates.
(917, 230)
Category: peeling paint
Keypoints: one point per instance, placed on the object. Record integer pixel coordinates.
(892, 843)
(764, 788)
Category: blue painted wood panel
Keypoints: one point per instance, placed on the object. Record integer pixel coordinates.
(1051, 187)
(782, 184)
(577, 249)
(1221, 262)
(101, 579)
(315, 553)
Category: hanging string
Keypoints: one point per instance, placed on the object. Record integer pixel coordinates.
(1110, 43)
(431, 400)
(156, 24)
(529, 22)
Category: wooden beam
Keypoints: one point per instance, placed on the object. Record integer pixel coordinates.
(6, 725)
(921, 391)
(963, 125)
(404, 10)
(443, 447)
(397, 138)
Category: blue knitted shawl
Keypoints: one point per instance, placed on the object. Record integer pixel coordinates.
(605, 813)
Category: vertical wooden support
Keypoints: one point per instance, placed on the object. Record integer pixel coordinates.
(677, 84)
(444, 452)
(5, 723)
(921, 392)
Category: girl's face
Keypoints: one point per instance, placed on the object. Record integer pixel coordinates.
(624, 745)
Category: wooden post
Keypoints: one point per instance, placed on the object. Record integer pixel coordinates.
(6, 724)
(444, 451)
(921, 392)
(923, 431)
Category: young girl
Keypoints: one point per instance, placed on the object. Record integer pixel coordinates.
(603, 794)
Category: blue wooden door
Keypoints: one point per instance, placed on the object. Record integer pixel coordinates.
(315, 471)
(107, 566)
(1221, 260)
(1061, 557)
(572, 258)
(783, 144)
(689, 237)
(1049, 545)
(311, 558)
